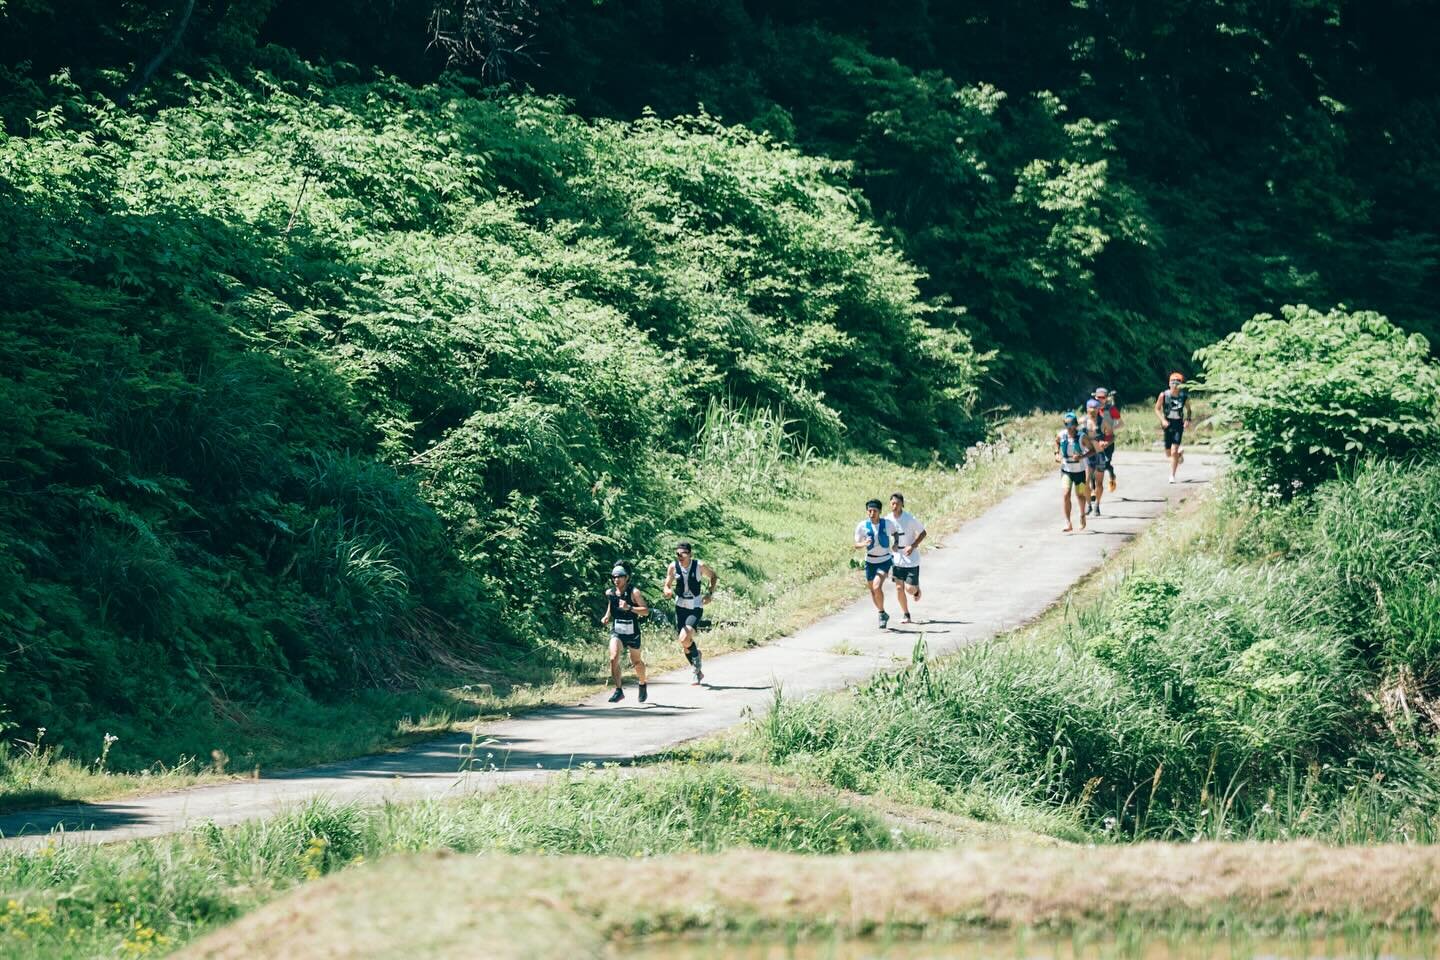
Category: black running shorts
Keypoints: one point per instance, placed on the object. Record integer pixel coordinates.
(688, 617)
(1174, 431)
(906, 574)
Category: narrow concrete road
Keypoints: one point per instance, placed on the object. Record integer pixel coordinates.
(995, 573)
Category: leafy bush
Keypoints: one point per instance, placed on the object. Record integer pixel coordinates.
(1312, 391)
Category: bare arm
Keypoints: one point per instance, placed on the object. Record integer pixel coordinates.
(669, 581)
(707, 571)
(1160, 407)
(638, 604)
(606, 619)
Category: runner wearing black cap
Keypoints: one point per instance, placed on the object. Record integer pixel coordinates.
(624, 606)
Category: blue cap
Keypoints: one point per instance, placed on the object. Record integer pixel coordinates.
(1070, 418)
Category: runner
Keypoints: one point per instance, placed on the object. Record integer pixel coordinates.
(685, 573)
(1071, 449)
(1172, 409)
(905, 556)
(874, 535)
(624, 606)
(1110, 407)
(1102, 438)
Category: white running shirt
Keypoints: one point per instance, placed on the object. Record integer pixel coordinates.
(910, 528)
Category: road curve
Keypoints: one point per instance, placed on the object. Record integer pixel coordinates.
(996, 572)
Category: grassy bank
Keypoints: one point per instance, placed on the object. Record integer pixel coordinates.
(80, 900)
(1251, 669)
(526, 906)
(785, 561)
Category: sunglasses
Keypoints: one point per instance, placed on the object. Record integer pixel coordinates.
(617, 576)
(682, 553)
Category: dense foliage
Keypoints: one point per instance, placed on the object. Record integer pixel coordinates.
(1102, 186)
(313, 385)
(1310, 392)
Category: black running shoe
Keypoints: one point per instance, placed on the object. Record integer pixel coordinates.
(1097, 509)
(642, 693)
(617, 696)
(906, 619)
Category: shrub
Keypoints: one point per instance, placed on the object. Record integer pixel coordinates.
(1312, 391)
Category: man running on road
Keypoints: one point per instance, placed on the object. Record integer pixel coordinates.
(624, 606)
(905, 554)
(682, 581)
(1071, 449)
(874, 535)
(1102, 437)
(1110, 411)
(1172, 409)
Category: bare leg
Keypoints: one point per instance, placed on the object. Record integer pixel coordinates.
(900, 596)
(615, 661)
(1065, 502)
(638, 662)
(877, 592)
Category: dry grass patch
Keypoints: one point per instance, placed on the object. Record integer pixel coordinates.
(450, 906)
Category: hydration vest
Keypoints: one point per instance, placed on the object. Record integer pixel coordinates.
(687, 582)
(1066, 451)
(1175, 405)
(879, 537)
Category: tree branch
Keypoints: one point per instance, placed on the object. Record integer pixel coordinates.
(171, 45)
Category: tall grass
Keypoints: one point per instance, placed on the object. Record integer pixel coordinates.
(744, 450)
(1280, 684)
(83, 900)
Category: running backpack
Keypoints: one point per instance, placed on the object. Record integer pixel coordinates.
(881, 538)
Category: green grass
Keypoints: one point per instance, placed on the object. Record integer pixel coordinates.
(787, 563)
(1245, 671)
(76, 900)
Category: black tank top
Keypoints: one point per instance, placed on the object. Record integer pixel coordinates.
(623, 616)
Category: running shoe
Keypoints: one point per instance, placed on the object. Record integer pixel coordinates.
(884, 619)
(906, 619)
(617, 696)
(642, 693)
(1112, 484)
(1097, 509)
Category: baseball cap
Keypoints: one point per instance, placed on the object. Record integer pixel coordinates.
(1101, 393)
(1092, 404)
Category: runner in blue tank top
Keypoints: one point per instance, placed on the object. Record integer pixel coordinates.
(876, 535)
(1072, 449)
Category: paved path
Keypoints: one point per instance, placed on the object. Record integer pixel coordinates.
(995, 573)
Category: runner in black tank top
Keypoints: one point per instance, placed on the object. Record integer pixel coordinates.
(1172, 409)
(682, 582)
(624, 607)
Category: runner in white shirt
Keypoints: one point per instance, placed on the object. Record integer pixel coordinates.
(906, 554)
(874, 535)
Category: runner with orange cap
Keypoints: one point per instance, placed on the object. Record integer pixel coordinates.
(1172, 409)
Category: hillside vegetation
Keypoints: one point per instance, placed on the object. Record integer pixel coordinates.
(317, 386)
